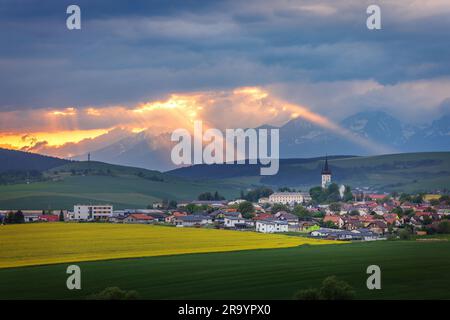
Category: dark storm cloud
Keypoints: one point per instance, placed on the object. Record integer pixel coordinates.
(128, 51)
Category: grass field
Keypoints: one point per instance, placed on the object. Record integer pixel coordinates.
(409, 270)
(123, 187)
(47, 243)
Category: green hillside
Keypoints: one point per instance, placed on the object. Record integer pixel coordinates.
(96, 182)
(406, 172)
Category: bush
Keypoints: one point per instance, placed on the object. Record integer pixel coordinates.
(334, 289)
(443, 227)
(307, 294)
(404, 234)
(331, 289)
(114, 293)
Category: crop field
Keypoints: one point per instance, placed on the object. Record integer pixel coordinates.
(49, 243)
(409, 270)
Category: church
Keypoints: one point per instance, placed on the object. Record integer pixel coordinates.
(326, 174)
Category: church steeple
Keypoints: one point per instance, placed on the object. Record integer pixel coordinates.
(325, 169)
(326, 174)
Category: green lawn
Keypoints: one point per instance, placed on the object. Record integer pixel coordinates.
(410, 270)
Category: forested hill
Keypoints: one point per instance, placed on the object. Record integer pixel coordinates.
(12, 160)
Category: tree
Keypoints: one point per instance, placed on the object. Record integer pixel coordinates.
(329, 224)
(354, 212)
(307, 294)
(172, 204)
(335, 207)
(191, 208)
(331, 289)
(61, 216)
(302, 212)
(443, 227)
(246, 208)
(335, 289)
(19, 217)
(114, 293)
(404, 234)
(254, 195)
(277, 207)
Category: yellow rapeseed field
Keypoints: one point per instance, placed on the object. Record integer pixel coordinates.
(47, 243)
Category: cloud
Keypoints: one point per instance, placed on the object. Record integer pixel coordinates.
(127, 53)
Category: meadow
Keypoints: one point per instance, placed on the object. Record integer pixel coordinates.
(409, 270)
(96, 182)
(47, 243)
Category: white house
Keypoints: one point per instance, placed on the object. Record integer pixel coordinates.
(91, 212)
(230, 222)
(272, 226)
(192, 220)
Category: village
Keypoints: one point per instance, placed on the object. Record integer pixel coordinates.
(326, 212)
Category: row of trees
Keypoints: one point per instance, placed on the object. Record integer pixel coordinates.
(14, 217)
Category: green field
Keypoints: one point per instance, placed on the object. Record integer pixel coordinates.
(410, 270)
(123, 187)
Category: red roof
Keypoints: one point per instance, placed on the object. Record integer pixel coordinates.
(334, 219)
(376, 196)
(49, 217)
(140, 216)
(263, 216)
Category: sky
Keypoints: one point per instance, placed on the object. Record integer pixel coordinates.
(160, 65)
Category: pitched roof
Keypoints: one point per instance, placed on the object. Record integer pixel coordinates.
(325, 169)
(140, 216)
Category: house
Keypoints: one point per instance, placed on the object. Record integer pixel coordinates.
(174, 216)
(333, 234)
(230, 222)
(271, 226)
(234, 214)
(391, 218)
(138, 218)
(344, 235)
(378, 226)
(308, 226)
(352, 224)
(193, 220)
(263, 216)
(366, 234)
(337, 220)
(286, 216)
(31, 215)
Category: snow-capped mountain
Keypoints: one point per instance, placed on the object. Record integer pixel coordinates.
(298, 138)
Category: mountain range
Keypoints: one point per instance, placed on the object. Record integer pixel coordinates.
(298, 139)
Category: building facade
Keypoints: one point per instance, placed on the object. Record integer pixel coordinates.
(289, 197)
(83, 212)
(273, 226)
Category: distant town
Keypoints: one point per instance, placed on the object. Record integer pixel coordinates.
(328, 211)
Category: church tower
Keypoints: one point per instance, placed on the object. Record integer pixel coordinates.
(326, 174)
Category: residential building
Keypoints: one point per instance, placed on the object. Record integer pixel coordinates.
(230, 222)
(193, 220)
(138, 218)
(271, 226)
(91, 212)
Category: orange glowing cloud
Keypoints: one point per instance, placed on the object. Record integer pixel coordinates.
(243, 107)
